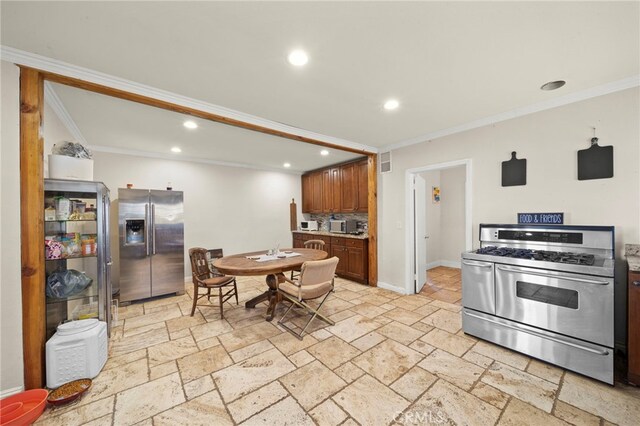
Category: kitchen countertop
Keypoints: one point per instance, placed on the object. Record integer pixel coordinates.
(632, 253)
(334, 234)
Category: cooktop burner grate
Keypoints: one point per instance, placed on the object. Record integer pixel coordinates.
(548, 256)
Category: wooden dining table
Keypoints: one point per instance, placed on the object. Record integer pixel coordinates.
(242, 265)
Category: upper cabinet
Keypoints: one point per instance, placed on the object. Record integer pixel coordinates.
(337, 189)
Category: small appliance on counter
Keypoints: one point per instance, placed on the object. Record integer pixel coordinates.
(309, 225)
(348, 226)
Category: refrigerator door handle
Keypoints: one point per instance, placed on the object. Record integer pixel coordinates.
(153, 227)
(147, 221)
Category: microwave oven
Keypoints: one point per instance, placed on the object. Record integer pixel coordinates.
(343, 226)
(309, 225)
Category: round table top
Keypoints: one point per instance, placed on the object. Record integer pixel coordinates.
(238, 264)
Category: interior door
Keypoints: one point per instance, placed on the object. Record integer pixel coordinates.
(420, 227)
(167, 242)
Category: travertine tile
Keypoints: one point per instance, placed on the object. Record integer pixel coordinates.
(342, 315)
(347, 295)
(251, 350)
(490, 394)
(328, 414)
(333, 352)
(444, 403)
(198, 387)
(354, 327)
(207, 343)
(403, 316)
(321, 334)
(203, 363)
(367, 341)
(174, 349)
(117, 379)
(155, 397)
(422, 347)
(455, 370)
(501, 354)
(118, 361)
(605, 401)
(368, 310)
(447, 296)
(478, 359)
(388, 361)
(126, 345)
(426, 310)
(545, 371)
(445, 320)
(182, 322)
(102, 421)
(574, 415)
(81, 415)
(374, 299)
(448, 306)
(285, 412)
(245, 407)
(301, 358)
(207, 409)
(245, 336)
(312, 384)
(446, 341)
(522, 385)
(128, 331)
(210, 329)
(414, 383)
(152, 318)
(179, 334)
(162, 370)
(399, 332)
(289, 344)
(349, 372)
(358, 398)
(519, 413)
(241, 378)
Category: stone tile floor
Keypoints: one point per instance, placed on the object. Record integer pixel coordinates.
(443, 283)
(389, 359)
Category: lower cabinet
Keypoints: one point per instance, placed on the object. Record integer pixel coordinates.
(352, 252)
(633, 325)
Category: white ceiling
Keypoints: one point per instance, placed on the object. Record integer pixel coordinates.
(116, 125)
(448, 63)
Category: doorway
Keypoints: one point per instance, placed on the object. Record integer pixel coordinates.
(439, 227)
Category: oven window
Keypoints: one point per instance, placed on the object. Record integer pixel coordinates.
(546, 294)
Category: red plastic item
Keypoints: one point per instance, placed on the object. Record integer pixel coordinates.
(23, 408)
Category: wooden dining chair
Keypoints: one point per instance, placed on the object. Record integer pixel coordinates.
(310, 244)
(206, 277)
(316, 281)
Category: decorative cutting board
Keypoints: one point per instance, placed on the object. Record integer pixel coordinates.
(514, 171)
(596, 162)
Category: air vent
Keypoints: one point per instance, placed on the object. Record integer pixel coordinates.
(385, 162)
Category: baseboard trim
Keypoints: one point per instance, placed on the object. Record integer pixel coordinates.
(12, 391)
(447, 263)
(433, 265)
(392, 287)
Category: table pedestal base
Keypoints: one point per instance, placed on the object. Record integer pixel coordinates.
(271, 295)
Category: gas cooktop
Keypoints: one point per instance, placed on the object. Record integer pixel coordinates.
(548, 256)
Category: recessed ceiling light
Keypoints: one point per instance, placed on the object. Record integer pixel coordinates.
(298, 58)
(324, 152)
(553, 85)
(190, 124)
(176, 149)
(287, 165)
(391, 104)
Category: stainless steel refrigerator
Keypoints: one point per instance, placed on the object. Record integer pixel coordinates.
(151, 234)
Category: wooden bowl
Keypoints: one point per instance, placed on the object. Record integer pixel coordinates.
(69, 392)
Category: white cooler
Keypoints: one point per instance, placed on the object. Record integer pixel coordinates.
(78, 350)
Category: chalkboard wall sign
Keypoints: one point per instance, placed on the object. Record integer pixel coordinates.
(514, 171)
(596, 162)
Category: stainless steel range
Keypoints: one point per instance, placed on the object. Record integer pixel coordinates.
(546, 291)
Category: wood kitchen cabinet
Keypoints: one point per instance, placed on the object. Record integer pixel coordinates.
(633, 328)
(337, 189)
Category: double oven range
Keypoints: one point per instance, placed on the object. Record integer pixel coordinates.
(546, 291)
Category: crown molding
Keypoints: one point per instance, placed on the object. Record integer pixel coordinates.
(28, 59)
(175, 157)
(51, 98)
(578, 96)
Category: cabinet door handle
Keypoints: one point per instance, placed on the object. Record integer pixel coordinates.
(636, 283)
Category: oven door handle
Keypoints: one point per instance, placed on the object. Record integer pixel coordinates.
(561, 277)
(481, 265)
(542, 336)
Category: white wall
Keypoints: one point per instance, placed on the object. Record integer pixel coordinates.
(549, 141)
(433, 212)
(236, 209)
(54, 132)
(452, 239)
(11, 365)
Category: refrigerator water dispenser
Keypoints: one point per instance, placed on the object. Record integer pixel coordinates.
(134, 231)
